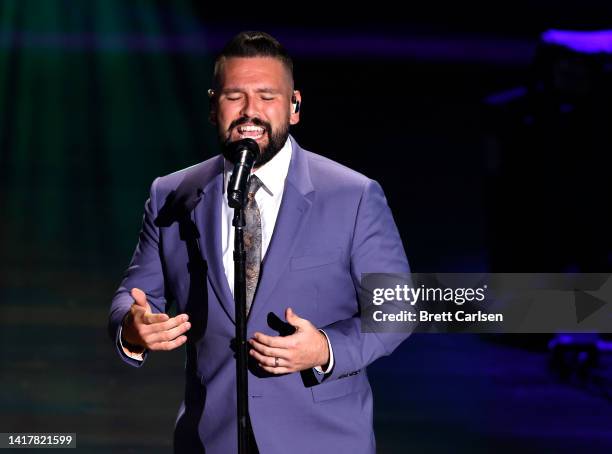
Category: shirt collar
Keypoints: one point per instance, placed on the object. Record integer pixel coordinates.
(272, 174)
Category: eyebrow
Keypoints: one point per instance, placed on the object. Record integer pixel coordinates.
(259, 90)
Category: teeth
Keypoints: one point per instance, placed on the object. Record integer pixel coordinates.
(250, 136)
(250, 129)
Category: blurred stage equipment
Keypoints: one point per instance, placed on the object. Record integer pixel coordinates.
(549, 149)
(584, 360)
(549, 152)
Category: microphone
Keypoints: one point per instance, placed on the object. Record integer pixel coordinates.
(243, 154)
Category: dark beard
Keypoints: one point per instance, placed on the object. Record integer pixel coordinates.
(276, 140)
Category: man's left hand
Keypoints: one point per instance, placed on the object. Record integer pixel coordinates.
(304, 349)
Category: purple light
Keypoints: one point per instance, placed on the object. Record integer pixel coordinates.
(303, 43)
(587, 42)
(504, 97)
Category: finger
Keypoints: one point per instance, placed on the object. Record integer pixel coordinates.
(150, 319)
(272, 364)
(268, 360)
(139, 297)
(170, 323)
(162, 325)
(170, 345)
(277, 370)
(137, 311)
(274, 341)
(168, 335)
(268, 351)
(293, 319)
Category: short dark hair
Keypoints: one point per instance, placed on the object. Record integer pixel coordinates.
(252, 44)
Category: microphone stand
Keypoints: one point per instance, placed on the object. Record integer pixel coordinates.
(244, 153)
(242, 389)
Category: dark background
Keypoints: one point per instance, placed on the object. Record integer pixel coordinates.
(98, 98)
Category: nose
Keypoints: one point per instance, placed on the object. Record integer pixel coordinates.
(250, 107)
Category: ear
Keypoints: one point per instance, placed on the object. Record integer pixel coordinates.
(212, 111)
(294, 117)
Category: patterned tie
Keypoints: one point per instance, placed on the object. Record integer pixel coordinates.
(252, 241)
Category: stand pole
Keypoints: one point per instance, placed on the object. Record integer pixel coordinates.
(242, 389)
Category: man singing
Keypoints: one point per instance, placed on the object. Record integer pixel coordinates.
(313, 227)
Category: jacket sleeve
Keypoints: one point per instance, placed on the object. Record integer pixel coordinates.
(376, 248)
(144, 272)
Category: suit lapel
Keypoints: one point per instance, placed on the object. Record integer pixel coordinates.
(293, 212)
(208, 220)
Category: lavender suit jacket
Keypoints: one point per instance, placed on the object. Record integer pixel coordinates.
(333, 225)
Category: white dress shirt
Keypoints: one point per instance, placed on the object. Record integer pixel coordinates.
(273, 175)
(268, 198)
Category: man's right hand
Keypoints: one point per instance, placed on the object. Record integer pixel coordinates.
(151, 331)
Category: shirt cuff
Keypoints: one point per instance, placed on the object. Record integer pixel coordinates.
(136, 356)
(318, 369)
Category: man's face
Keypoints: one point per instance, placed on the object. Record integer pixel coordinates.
(254, 101)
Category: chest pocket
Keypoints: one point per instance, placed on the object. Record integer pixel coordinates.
(315, 260)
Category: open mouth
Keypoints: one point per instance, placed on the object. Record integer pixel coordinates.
(250, 131)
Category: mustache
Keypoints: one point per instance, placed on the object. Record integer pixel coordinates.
(255, 121)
